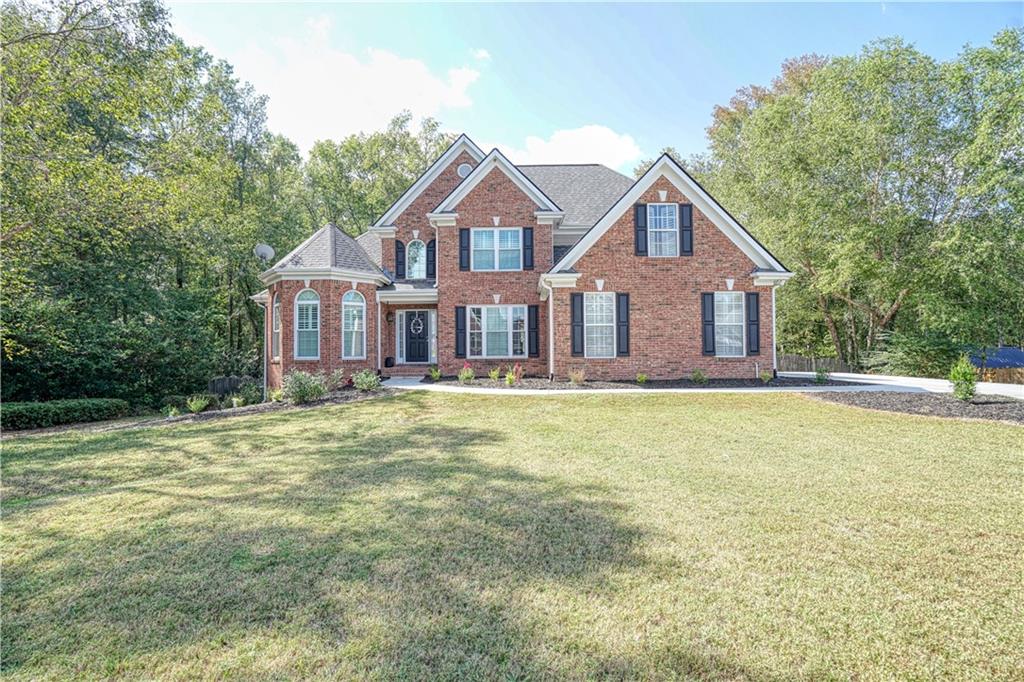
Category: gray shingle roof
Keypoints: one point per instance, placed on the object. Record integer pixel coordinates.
(370, 244)
(328, 247)
(585, 192)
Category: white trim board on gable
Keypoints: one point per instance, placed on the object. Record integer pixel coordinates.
(666, 166)
(461, 144)
(497, 160)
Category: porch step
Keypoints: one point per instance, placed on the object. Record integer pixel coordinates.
(405, 371)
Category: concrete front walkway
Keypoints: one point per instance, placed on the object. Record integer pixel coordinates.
(930, 385)
(414, 384)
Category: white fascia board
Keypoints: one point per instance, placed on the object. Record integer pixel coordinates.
(673, 172)
(496, 160)
(415, 296)
(442, 219)
(768, 279)
(461, 144)
(340, 274)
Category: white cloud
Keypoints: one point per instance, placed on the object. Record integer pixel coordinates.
(481, 55)
(587, 144)
(318, 91)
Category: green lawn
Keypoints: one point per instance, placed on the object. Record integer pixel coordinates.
(449, 536)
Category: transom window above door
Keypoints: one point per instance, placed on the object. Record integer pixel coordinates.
(497, 249)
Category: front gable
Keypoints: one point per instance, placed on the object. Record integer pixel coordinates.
(493, 166)
(666, 181)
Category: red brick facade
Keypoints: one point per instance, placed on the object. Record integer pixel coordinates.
(665, 293)
(664, 301)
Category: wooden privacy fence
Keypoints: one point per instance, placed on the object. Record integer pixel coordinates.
(224, 385)
(1003, 375)
(799, 363)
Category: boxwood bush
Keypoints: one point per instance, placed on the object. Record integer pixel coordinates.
(40, 415)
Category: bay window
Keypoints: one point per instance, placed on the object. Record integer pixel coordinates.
(497, 249)
(307, 326)
(353, 326)
(497, 331)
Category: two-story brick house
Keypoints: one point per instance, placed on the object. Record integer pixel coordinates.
(553, 267)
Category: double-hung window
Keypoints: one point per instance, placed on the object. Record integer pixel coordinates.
(663, 229)
(353, 326)
(497, 249)
(275, 328)
(729, 324)
(497, 331)
(599, 324)
(307, 326)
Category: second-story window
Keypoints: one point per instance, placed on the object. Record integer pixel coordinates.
(416, 260)
(497, 249)
(663, 229)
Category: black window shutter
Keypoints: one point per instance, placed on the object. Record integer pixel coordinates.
(463, 248)
(399, 259)
(753, 324)
(527, 248)
(622, 324)
(533, 331)
(707, 316)
(460, 331)
(432, 259)
(577, 324)
(685, 229)
(640, 218)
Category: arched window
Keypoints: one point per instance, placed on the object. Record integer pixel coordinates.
(416, 260)
(275, 328)
(353, 326)
(307, 325)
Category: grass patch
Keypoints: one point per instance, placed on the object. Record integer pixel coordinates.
(462, 536)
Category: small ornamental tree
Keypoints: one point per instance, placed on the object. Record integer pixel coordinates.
(964, 379)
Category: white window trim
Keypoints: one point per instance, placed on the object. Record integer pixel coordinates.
(362, 307)
(615, 347)
(295, 319)
(400, 336)
(509, 333)
(275, 327)
(742, 323)
(408, 270)
(649, 230)
(497, 249)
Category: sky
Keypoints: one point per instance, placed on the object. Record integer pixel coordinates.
(576, 83)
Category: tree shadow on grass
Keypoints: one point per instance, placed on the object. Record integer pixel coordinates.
(400, 546)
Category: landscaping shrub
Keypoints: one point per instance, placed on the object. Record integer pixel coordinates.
(171, 411)
(925, 354)
(366, 380)
(964, 378)
(251, 391)
(54, 412)
(494, 374)
(577, 377)
(821, 376)
(336, 380)
(275, 395)
(466, 374)
(301, 387)
(197, 403)
(177, 401)
(766, 376)
(435, 373)
(514, 375)
(236, 400)
(698, 376)
(641, 378)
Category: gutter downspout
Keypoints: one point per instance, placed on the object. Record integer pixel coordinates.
(378, 335)
(775, 342)
(265, 362)
(551, 329)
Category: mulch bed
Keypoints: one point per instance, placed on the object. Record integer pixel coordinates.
(561, 385)
(991, 407)
(345, 395)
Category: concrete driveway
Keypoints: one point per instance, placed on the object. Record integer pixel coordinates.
(930, 385)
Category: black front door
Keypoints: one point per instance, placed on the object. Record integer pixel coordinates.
(417, 344)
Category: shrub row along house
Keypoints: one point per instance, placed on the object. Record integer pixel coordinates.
(558, 268)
